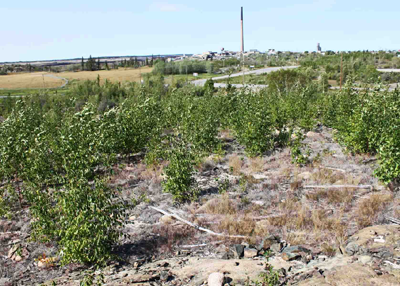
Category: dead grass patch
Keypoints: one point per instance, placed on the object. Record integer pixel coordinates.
(235, 164)
(369, 209)
(328, 249)
(222, 205)
(118, 75)
(29, 80)
(296, 237)
(236, 226)
(326, 176)
(173, 234)
(153, 172)
(295, 185)
(285, 171)
(256, 164)
(332, 196)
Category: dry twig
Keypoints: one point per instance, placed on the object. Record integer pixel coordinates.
(339, 187)
(196, 226)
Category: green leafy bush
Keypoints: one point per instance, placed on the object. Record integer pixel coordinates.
(179, 173)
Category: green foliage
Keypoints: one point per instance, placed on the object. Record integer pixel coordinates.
(296, 146)
(368, 122)
(268, 278)
(285, 81)
(179, 173)
(91, 279)
(251, 121)
(209, 87)
(182, 67)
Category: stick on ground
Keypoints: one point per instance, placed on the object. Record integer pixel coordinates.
(196, 226)
(339, 187)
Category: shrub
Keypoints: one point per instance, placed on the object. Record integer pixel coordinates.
(179, 173)
(83, 218)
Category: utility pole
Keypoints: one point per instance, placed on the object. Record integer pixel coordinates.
(241, 23)
(341, 71)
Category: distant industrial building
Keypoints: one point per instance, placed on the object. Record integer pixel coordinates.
(319, 49)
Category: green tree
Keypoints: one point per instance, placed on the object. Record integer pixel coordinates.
(90, 64)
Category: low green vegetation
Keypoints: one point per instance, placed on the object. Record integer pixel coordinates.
(183, 67)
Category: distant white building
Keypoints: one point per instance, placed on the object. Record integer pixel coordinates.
(271, 52)
(253, 51)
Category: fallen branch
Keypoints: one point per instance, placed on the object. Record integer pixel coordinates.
(196, 226)
(393, 220)
(200, 245)
(193, 246)
(395, 266)
(334, 169)
(340, 187)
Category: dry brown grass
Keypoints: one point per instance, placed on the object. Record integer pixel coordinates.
(222, 205)
(332, 196)
(256, 164)
(235, 164)
(119, 75)
(295, 185)
(326, 176)
(173, 234)
(237, 226)
(369, 209)
(153, 172)
(29, 80)
(328, 249)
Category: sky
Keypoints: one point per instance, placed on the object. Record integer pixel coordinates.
(46, 30)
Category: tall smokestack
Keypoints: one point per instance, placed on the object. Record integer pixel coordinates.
(241, 22)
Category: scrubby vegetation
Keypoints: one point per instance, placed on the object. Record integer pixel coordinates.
(57, 153)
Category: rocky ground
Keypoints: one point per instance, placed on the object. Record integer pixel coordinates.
(329, 222)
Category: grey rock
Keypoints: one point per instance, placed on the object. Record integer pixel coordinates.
(352, 248)
(289, 256)
(381, 252)
(238, 250)
(250, 252)
(267, 242)
(164, 275)
(228, 255)
(296, 249)
(276, 247)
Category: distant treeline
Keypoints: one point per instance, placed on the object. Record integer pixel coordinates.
(183, 67)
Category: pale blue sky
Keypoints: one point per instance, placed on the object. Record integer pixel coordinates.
(41, 29)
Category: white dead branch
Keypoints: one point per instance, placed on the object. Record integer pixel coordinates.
(196, 226)
(339, 187)
(393, 220)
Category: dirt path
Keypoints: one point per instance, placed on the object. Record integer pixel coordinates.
(201, 82)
